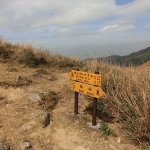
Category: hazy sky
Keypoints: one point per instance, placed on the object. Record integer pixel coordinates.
(80, 28)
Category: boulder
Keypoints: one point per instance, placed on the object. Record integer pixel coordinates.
(25, 145)
(4, 146)
(46, 119)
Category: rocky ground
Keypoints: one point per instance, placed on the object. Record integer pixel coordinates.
(36, 112)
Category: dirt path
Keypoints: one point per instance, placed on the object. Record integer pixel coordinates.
(66, 136)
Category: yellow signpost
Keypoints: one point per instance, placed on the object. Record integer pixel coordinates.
(86, 89)
(88, 84)
(85, 77)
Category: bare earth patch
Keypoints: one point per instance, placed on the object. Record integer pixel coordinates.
(21, 118)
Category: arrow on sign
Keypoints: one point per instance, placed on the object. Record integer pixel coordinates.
(86, 89)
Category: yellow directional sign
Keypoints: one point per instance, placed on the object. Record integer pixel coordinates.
(86, 89)
(85, 77)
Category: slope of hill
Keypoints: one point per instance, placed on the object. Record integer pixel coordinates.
(37, 104)
(28, 56)
(134, 59)
(147, 64)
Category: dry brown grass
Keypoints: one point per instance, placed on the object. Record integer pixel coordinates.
(127, 89)
(146, 64)
(27, 55)
(127, 97)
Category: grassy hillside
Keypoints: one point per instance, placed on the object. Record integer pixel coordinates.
(146, 64)
(127, 97)
(127, 90)
(134, 59)
(27, 55)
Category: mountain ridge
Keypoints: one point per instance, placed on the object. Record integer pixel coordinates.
(135, 59)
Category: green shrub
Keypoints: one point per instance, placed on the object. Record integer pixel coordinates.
(100, 107)
(105, 129)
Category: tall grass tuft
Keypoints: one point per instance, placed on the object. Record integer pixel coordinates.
(27, 55)
(127, 97)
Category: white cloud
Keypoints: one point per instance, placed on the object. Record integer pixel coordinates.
(65, 13)
(74, 21)
(116, 28)
(135, 8)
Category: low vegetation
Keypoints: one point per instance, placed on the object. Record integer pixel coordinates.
(105, 129)
(127, 98)
(127, 89)
(27, 55)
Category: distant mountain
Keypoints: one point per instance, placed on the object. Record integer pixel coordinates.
(134, 59)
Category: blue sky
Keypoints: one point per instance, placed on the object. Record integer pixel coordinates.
(78, 28)
(123, 2)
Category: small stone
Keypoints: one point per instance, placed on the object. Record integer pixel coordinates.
(3, 146)
(37, 112)
(26, 126)
(34, 97)
(22, 81)
(19, 78)
(46, 119)
(33, 134)
(24, 107)
(25, 145)
(97, 126)
(118, 140)
(49, 99)
(2, 96)
(36, 74)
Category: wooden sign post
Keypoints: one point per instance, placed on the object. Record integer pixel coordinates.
(76, 97)
(88, 84)
(94, 108)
